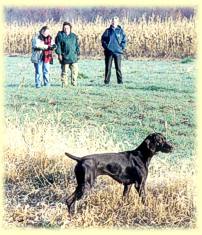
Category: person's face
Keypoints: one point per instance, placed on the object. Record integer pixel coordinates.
(67, 29)
(115, 22)
(46, 32)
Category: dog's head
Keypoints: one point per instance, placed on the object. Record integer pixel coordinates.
(157, 142)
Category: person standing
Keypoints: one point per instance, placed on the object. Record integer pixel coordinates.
(114, 42)
(68, 52)
(42, 47)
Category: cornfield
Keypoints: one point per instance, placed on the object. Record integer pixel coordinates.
(154, 38)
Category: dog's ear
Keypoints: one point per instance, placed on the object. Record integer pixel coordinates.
(151, 146)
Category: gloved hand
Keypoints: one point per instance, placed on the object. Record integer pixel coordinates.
(45, 47)
(52, 47)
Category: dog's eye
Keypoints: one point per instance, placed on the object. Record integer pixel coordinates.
(160, 141)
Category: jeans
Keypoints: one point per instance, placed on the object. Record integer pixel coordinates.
(41, 69)
(108, 65)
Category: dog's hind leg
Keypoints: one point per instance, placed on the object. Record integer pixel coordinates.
(85, 179)
(76, 195)
(70, 201)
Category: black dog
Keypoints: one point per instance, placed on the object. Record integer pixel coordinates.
(130, 167)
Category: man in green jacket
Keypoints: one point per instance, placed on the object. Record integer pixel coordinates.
(68, 52)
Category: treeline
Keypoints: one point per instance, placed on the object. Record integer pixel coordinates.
(58, 14)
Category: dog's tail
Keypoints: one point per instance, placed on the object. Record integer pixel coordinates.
(78, 159)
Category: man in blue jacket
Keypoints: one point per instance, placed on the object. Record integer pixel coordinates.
(113, 42)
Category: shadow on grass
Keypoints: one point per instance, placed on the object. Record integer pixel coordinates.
(43, 188)
(158, 88)
(146, 88)
(30, 86)
(17, 85)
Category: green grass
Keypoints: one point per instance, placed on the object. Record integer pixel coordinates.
(41, 124)
(156, 96)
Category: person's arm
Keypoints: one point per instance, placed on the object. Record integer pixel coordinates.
(58, 50)
(104, 39)
(77, 46)
(58, 44)
(123, 42)
(38, 44)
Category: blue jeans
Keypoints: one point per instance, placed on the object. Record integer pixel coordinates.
(41, 68)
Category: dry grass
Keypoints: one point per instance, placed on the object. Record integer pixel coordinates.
(170, 38)
(38, 177)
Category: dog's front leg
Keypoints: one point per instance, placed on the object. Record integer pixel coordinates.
(126, 190)
(141, 190)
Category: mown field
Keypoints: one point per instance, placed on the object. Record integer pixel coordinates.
(41, 124)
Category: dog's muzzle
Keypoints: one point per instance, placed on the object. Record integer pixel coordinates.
(167, 147)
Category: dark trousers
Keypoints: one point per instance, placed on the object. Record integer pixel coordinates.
(108, 65)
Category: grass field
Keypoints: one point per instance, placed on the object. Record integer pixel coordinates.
(41, 124)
